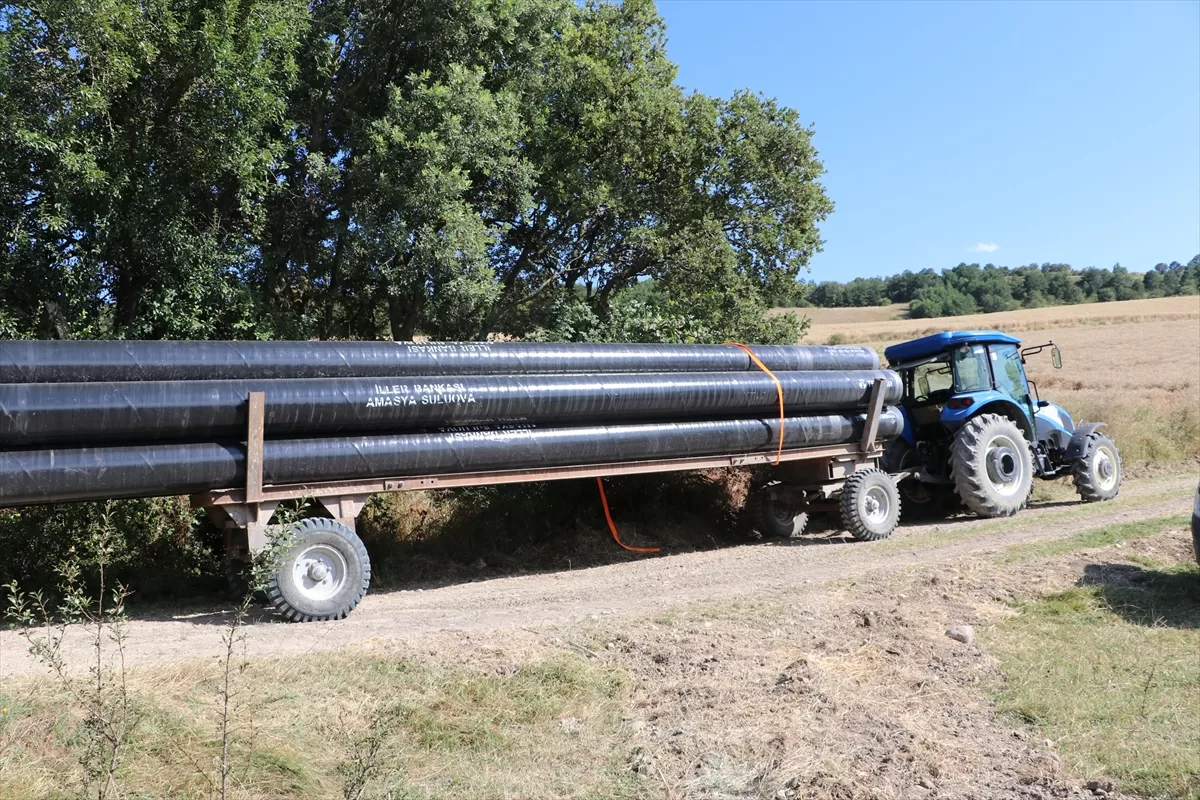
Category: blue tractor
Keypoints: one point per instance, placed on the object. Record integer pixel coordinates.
(976, 433)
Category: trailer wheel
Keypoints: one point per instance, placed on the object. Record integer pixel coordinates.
(237, 575)
(1098, 474)
(870, 505)
(323, 575)
(920, 500)
(772, 518)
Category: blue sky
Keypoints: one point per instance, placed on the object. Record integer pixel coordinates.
(1008, 133)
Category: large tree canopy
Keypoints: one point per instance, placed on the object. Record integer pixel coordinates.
(366, 168)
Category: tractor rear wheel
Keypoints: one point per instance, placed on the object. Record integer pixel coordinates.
(772, 518)
(1098, 474)
(992, 466)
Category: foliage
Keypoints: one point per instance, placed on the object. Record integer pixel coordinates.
(970, 288)
(158, 540)
(271, 168)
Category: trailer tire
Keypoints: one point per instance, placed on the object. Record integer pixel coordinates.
(237, 575)
(992, 466)
(922, 501)
(770, 519)
(870, 505)
(323, 575)
(1098, 473)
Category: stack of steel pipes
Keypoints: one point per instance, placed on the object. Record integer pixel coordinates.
(85, 420)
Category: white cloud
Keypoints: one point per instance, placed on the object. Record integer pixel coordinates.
(984, 247)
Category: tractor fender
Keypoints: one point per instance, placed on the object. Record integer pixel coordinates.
(989, 402)
(1078, 448)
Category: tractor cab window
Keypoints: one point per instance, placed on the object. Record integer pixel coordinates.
(1010, 377)
(971, 373)
(932, 383)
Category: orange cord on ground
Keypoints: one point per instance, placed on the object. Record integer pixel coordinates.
(612, 525)
(778, 388)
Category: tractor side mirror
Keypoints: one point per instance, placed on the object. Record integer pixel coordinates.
(1056, 357)
(1043, 404)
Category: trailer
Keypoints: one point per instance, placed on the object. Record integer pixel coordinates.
(323, 570)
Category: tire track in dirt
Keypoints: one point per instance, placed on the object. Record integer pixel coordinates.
(627, 588)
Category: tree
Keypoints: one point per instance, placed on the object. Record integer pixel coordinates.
(1152, 282)
(363, 168)
(143, 137)
(941, 300)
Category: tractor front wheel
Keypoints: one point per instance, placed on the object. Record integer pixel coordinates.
(992, 466)
(1098, 474)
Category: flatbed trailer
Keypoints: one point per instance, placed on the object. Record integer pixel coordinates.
(325, 570)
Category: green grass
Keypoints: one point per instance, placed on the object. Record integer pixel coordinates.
(1111, 673)
(949, 531)
(551, 728)
(1095, 537)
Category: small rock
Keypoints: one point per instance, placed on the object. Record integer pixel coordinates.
(1047, 743)
(480, 564)
(570, 724)
(962, 633)
(782, 794)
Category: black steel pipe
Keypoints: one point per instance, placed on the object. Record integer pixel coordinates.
(76, 361)
(37, 414)
(61, 475)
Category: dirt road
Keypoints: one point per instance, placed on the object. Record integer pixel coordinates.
(638, 588)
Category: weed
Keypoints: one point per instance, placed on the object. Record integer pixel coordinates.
(103, 699)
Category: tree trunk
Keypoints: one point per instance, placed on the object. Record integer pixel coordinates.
(128, 296)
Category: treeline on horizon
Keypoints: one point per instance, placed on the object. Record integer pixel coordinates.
(974, 289)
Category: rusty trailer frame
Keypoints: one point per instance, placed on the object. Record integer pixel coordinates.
(811, 474)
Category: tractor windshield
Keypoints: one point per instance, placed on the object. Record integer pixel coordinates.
(971, 372)
(1010, 377)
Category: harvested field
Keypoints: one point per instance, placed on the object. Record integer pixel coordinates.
(848, 316)
(874, 330)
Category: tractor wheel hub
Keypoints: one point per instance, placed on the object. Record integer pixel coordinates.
(1002, 465)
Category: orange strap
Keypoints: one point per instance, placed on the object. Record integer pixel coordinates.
(612, 525)
(778, 388)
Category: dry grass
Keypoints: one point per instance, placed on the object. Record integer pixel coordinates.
(851, 690)
(1109, 672)
(547, 728)
(844, 316)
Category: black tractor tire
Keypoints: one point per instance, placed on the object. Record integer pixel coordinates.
(992, 466)
(323, 575)
(920, 500)
(771, 519)
(1098, 474)
(870, 505)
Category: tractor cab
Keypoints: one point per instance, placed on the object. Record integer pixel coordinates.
(975, 430)
(950, 377)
